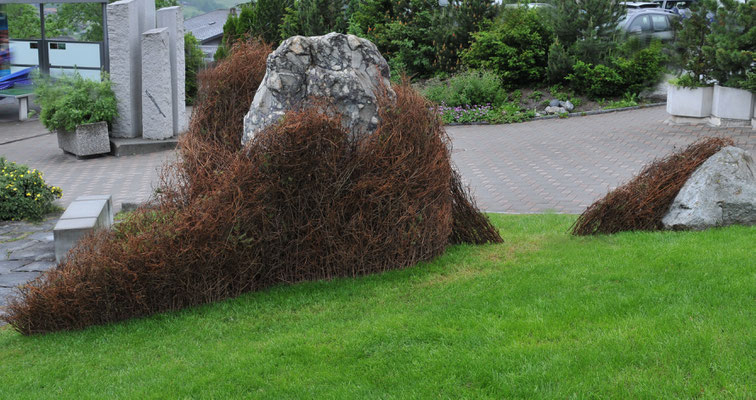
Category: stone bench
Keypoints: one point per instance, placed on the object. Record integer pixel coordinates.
(23, 101)
(84, 215)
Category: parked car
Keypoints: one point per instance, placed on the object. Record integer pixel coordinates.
(648, 24)
(633, 5)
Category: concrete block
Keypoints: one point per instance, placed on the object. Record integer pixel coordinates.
(86, 140)
(732, 103)
(690, 103)
(172, 19)
(84, 215)
(126, 66)
(157, 97)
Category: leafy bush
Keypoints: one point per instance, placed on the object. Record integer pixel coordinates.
(194, 61)
(71, 100)
(467, 88)
(515, 47)
(420, 35)
(23, 193)
(596, 81)
(637, 71)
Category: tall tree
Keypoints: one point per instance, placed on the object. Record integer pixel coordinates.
(315, 17)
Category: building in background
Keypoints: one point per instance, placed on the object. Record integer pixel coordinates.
(208, 29)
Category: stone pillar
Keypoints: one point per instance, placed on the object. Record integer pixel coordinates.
(146, 15)
(172, 19)
(126, 66)
(157, 98)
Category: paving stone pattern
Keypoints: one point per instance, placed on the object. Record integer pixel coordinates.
(564, 165)
(26, 250)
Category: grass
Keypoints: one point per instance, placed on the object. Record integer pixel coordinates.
(545, 315)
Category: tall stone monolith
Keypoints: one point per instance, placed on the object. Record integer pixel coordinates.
(172, 19)
(157, 97)
(147, 19)
(124, 39)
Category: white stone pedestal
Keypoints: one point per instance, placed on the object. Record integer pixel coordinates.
(157, 97)
(126, 66)
(172, 19)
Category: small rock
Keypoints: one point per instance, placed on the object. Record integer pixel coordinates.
(555, 103)
(567, 105)
(555, 110)
(722, 191)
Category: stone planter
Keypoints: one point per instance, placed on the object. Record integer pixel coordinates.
(731, 107)
(87, 140)
(690, 106)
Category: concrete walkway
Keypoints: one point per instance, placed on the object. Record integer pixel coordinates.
(557, 165)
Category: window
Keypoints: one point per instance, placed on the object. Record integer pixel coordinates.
(643, 22)
(661, 23)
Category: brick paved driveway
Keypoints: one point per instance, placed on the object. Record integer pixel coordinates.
(563, 165)
(557, 165)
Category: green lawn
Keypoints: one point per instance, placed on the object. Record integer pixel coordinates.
(545, 315)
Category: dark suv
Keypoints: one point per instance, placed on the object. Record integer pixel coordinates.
(648, 24)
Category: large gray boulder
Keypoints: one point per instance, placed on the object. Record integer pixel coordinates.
(722, 191)
(344, 68)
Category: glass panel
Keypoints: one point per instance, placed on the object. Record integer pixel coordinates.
(74, 21)
(91, 74)
(24, 52)
(660, 23)
(23, 21)
(74, 54)
(642, 22)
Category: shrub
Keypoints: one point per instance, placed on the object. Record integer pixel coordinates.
(642, 203)
(641, 69)
(467, 88)
(24, 194)
(301, 201)
(420, 35)
(194, 61)
(596, 81)
(72, 100)
(515, 48)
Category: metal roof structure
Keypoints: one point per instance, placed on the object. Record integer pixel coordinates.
(207, 26)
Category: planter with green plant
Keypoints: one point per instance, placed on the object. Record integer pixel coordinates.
(732, 54)
(689, 97)
(78, 110)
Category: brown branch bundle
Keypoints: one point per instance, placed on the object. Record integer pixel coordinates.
(642, 203)
(302, 201)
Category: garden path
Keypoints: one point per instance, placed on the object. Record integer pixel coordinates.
(556, 165)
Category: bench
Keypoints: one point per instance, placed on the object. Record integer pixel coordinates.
(84, 215)
(22, 95)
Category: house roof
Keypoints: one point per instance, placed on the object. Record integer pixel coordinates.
(207, 26)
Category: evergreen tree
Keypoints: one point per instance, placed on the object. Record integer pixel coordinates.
(315, 17)
(588, 28)
(260, 19)
(732, 42)
(693, 41)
